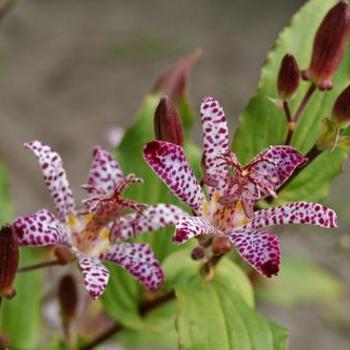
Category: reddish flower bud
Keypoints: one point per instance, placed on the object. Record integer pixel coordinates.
(198, 253)
(68, 299)
(173, 82)
(288, 77)
(341, 109)
(9, 257)
(167, 123)
(329, 46)
(221, 245)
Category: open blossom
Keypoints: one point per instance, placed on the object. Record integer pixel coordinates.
(232, 192)
(94, 236)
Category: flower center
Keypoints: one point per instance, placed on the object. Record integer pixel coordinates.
(87, 241)
(224, 217)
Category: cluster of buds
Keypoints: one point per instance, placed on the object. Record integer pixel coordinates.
(211, 246)
(9, 257)
(328, 51)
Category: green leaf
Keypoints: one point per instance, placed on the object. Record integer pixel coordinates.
(263, 124)
(300, 282)
(122, 297)
(21, 317)
(218, 314)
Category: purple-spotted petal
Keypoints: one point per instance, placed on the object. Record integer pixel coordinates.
(153, 218)
(192, 226)
(295, 213)
(215, 141)
(105, 172)
(139, 260)
(260, 249)
(169, 162)
(55, 178)
(95, 274)
(40, 229)
(274, 166)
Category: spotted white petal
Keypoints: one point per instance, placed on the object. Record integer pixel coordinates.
(139, 260)
(260, 249)
(94, 273)
(295, 213)
(215, 142)
(192, 226)
(55, 178)
(105, 172)
(40, 229)
(152, 218)
(169, 162)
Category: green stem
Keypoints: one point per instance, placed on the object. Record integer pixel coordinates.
(144, 309)
(311, 90)
(39, 266)
(293, 121)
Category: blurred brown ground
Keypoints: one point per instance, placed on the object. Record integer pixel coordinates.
(72, 69)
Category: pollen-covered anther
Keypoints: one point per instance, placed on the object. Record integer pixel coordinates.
(9, 257)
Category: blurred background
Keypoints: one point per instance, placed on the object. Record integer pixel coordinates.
(70, 71)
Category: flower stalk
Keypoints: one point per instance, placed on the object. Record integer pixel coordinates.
(38, 266)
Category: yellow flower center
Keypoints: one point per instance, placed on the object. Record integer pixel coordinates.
(92, 243)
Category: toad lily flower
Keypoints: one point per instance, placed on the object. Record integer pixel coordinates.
(224, 213)
(94, 237)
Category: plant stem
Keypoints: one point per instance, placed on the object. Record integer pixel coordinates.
(144, 309)
(207, 269)
(287, 112)
(39, 266)
(292, 121)
(114, 329)
(304, 102)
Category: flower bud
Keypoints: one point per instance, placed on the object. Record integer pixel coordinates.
(9, 257)
(341, 109)
(288, 77)
(167, 123)
(221, 245)
(68, 299)
(198, 253)
(329, 46)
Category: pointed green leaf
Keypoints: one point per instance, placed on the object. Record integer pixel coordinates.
(218, 314)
